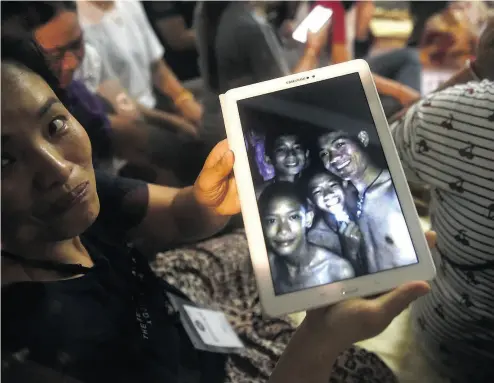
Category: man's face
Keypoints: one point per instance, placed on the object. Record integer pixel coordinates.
(285, 222)
(326, 192)
(342, 156)
(62, 44)
(289, 156)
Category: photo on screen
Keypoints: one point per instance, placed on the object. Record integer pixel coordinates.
(327, 203)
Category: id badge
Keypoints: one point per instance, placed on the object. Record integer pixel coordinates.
(208, 330)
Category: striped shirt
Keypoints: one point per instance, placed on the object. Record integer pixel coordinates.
(447, 141)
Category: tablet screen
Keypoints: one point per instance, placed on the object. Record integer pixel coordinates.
(328, 207)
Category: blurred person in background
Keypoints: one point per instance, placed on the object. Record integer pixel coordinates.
(118, 126)
(445, 140)
(237, 46)
(172, 22)
(397, 73)
(124, 38)
(420, 12)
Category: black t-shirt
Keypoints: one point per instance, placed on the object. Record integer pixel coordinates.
(114, 324)
(183, 63)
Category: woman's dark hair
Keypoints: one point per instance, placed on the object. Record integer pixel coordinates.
(213, 11)
(33, 14)
(27, 53)
(19, 20)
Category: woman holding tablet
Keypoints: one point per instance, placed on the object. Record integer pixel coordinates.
(76, 300)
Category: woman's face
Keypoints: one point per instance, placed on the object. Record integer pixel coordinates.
(326, 192)
(48, 182)
(62, 44)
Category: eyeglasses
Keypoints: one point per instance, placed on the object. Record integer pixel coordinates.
(55, 56)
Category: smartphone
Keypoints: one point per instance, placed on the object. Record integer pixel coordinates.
(314, 21)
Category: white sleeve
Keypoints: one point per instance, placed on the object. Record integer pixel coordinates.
(94, 70)
(154, 48)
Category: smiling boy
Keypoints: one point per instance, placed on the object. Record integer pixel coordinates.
(380, 218)
(295, 263)
(289, 156)
(337, 229)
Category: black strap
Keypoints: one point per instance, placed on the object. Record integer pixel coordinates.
(64, 268)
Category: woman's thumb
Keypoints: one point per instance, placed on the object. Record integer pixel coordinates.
(224, 166)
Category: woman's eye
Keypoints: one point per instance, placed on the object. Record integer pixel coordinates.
(57, 126)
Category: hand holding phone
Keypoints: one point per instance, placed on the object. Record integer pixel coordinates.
(316, 41)
(314, 23)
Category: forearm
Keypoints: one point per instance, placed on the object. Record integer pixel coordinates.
(365, 13)
(166, 120)
(309, 357)
(308, 61)
(403, 93)
(193, 220)
(166, 81)
(463, 76)
(339, 53)
(129, 136)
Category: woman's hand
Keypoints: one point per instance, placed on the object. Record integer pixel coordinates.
(215, 187)
(355, 320)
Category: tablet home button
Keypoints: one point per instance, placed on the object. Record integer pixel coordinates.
(349, 291)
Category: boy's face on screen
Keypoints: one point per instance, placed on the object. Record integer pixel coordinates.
(289, 156)
(326, 192)
(342, 156)
(285, 222)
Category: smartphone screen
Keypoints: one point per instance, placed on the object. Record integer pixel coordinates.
(316, 19)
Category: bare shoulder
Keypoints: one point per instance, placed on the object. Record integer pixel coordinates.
(340, 267)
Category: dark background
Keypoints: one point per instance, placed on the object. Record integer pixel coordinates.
(334, 104)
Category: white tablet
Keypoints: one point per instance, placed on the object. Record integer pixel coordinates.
(326, 206)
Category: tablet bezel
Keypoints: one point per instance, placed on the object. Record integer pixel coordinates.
(327, 294)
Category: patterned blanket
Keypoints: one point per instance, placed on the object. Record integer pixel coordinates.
(218, 273)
